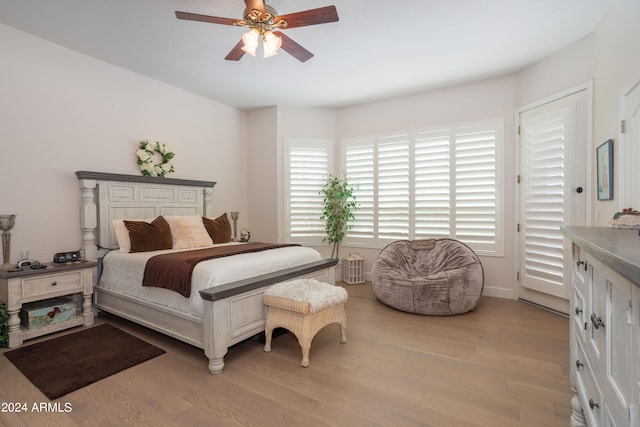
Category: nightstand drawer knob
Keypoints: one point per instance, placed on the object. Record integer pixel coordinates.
(54, 283)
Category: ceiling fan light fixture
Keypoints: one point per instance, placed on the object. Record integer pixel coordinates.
(271, 44)
(264, 23)
(250, 40)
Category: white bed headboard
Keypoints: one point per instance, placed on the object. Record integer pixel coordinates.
(108, 196)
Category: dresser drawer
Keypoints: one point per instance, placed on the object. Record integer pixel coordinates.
(580, 268)
(578, 314)
(51, 284)
(588, 390)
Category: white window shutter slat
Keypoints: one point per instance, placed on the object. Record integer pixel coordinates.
(432, 195)
(308, 169)
(359, 161)
(428, 184)
(393, 188)
(543, 185)
(475, 187)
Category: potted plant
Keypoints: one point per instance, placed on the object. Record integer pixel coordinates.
(339, 204)
(4, 327)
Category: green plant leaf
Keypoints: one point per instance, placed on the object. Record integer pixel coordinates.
(339, 204)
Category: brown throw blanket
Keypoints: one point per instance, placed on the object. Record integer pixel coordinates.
(173, 271)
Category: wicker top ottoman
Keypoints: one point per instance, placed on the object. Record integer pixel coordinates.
(303, 307)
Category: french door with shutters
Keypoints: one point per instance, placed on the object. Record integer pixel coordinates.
(553, 191)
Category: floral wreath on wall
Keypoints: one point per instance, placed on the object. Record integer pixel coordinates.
(146, 154)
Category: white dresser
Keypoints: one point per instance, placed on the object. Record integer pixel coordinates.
(605, 331)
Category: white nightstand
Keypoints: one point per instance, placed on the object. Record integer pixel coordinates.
(56, 280)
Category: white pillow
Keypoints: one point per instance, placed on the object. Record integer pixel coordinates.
(122, 234)
(187, 231)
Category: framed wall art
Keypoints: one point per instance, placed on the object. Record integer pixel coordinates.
(604, 166)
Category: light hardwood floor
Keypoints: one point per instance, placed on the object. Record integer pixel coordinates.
(504, 364)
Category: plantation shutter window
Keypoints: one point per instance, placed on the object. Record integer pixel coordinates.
(393, 188)
(359, 161)
(475, 187)
(544, 188)
(428, 184)
(432, 205)
(306, 171)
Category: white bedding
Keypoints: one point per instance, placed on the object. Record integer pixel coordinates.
(123, 272)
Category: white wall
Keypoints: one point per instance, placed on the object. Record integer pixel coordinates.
(488, 99)
(263, 175)
(270, 127)
(61, 111)
(617, 48)
(610, 58)
(302, 123)
(606, 57)
(563, 70)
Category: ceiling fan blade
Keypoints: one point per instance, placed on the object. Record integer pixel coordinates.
(236, 53)
(255, 4)
(310, 17)
(293, 48)
(205, 18)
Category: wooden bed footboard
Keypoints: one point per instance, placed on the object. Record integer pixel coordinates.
(232, 312)
(235, 311)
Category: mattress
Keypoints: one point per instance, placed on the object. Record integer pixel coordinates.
(123, 273)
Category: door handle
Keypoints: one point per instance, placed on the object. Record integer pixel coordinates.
(597, 321)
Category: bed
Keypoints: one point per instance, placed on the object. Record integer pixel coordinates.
(225, 305)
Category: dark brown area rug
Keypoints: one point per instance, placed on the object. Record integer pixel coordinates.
(61, 365)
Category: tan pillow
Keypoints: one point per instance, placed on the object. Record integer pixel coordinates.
(147, 237)
(219, 229)
(187, 231)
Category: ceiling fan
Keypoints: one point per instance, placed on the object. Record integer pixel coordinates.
(264, 23)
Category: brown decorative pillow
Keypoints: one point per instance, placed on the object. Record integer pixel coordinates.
(219, 229)
(152, 236)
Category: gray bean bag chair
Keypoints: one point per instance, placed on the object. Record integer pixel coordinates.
(437, 276)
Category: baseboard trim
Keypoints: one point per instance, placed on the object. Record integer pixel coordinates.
(492, 291)
(560, 313)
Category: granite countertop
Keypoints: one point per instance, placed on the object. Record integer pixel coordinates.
(617, 248)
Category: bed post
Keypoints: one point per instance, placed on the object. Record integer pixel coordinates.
(208, 208)
(89, 219)
(216, 333)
